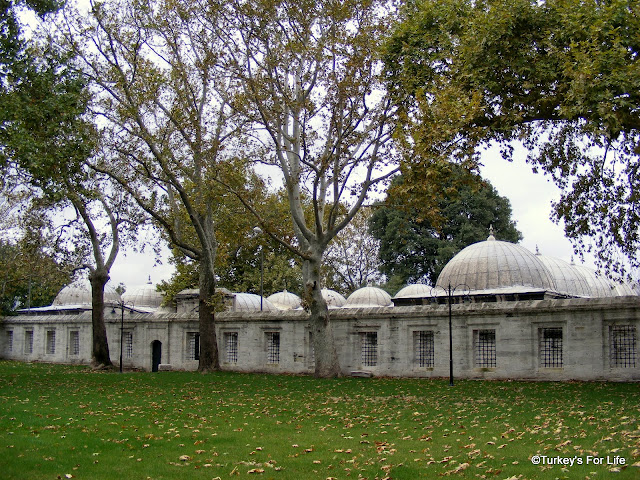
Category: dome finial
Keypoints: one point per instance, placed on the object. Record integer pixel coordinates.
(149, 282)
(491, 237)
(537, 250)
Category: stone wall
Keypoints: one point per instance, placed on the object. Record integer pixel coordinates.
(583, 339)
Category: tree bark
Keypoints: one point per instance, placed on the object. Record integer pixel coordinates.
(209, 360)
(100, 347)
(327, 364)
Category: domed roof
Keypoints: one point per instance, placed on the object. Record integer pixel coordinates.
(333, 298)
(249, 302)
(145, 296)
(414, 290)
(566, 278)
(494, 264)
(79, 293)
(285, 300)
(599, 286)
(369, 297)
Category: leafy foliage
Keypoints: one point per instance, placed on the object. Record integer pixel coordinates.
(416, 243)
(559, 75)
(351, 260)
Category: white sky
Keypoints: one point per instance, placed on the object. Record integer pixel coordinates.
(530, 195)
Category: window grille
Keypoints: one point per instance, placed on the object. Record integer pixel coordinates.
(486, 348)
(51, 342)
(369, 349)
(423, 347)
(193, 346)
(28, 342)
(273, 347)
(231, 343)
(622, 340)
(10, 340)
(551, 348)
(74, 343)
(128, 345)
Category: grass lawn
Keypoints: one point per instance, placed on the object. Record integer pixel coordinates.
(61, 421)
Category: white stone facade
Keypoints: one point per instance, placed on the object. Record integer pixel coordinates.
(555, 339)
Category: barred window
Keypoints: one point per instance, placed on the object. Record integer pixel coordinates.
(369, 350)
(485, 348)
(128, 345)
(231, 346)
(74, 343)
(551, 347)
(28, 342)
(51, 342)
(193, 346)
(10, 340)
(423, 348)
(622, 346)
(273, 347)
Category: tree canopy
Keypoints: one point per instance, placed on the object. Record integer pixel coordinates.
(560, 76)
(415, 248)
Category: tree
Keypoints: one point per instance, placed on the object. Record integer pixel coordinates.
(559, 75)
(415, 247)
(47, 139)
(238, 258)
(31, 274)
(168, 127)
(311, 84)
(351, 259)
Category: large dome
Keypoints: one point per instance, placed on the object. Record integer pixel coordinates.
(146, 296)
(369, 297)
(79, 293)
(567, 278)
(599, 286)
(285, 300)
(414, 290)
(250, 302)
(494, 264)
(333, 298)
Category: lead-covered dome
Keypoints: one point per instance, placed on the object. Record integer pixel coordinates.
(494, 264)
(333, 298)
(567, 279)
(414, 290)
(599, 286)
(145, 296)
(285, 300)
(79, 293)
(369, 297)
(250, 302)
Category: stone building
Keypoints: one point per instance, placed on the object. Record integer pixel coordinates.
(513, 314)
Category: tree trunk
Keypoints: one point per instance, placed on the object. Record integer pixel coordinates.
(207, 318)
(326, 356)
(100, 352)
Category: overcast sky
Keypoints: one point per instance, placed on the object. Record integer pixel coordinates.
(530, 195)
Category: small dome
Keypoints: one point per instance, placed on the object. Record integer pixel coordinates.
(369, 297)
(249, 302)
(333, 298)
(494, 264)
(414, 290)
(79, 293)
(566, 278)
(285, 300)
(599, 286)
(146, 296)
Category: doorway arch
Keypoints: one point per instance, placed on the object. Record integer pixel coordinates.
(156, 355)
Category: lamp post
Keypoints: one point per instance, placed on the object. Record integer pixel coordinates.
(258, 231)
(449, 291)
(121, 304)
